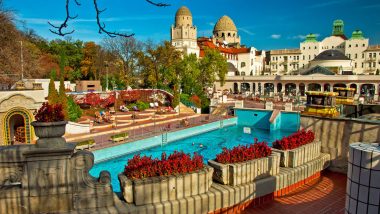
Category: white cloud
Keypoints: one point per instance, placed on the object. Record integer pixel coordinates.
(275, 36)
(246, 31)
(326, 4)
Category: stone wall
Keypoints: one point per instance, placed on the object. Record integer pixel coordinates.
(46, 180)
(337, 134)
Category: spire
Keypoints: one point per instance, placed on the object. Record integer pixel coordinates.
(338, 28)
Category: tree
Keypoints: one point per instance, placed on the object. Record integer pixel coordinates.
(74, 110)
(59, 29)
(176, 96)
(158, 66)
(213, 65)
(53, 97)
(62, 97)
(189, 73)
(125, 50)
(88, 61)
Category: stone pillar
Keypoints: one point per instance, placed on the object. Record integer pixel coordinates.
(297, 88)
(275, 87)
(363, 186)
(376, 95)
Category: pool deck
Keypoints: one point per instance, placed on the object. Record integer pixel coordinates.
(324, 195)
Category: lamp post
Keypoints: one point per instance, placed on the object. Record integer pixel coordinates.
(106, 65)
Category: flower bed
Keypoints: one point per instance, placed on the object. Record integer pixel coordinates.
(297, 149)
(244, 164)
(146, 180)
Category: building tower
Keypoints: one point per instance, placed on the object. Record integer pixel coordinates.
(184, 33)
(338, 28)
(226, 32)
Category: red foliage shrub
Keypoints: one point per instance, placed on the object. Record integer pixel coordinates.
(92, 99)
(108, 101)
(50, 113)
(295, 140)
(244, 153)
(177, 163)
(196, 100)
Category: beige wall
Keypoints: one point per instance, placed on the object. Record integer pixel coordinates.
(337, 134)
(88, 85)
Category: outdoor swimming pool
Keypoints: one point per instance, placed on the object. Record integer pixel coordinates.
(207, 144)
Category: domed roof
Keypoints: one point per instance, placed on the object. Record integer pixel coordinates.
(225, 24)
(331, 55)
(183, 11)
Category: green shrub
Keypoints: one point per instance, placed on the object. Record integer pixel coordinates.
(86, 142)
(74, 110)
(142, 105)
(120, 135)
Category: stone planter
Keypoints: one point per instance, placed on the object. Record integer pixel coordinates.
(246, 172)
(161, 189)
(50, 133)
(299, 156)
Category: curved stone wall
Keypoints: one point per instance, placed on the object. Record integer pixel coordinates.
(363, 179)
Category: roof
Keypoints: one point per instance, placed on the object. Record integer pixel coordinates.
(225, 23)
(285, 51)
(331, 55)
(318, 70)
(373, 48)
(183, 11)
(206, 42)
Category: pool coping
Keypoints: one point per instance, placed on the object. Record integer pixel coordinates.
(231, 121)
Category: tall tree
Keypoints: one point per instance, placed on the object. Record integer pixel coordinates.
(213, 65)
(53, 97)
(88, 61)
(63, 97)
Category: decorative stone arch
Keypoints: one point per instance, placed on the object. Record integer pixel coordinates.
(268, 88)
(289, 88)
(327, 87)
(355, 86)
(314, 87)
(6, 121)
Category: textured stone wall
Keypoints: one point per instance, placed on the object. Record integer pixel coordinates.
(337, 134)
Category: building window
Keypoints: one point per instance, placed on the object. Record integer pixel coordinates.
(303, 57)
(356, 64)
(315, 47)
(242, 64)
(362, 65)
(363, 45)
(374, 64)
(374, 55)
(222, 34)
(357, 45)
(304, 48)
(356, 56)
(370, 55)
(362, 55)
(349, 46)
(309, 57)
(229, 34)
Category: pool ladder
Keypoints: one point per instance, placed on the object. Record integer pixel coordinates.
(164, 138)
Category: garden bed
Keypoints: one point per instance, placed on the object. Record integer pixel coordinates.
(297, 149)
(244, 164)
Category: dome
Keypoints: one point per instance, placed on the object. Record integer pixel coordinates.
(183, 11)
(331, 55)
(225, 24)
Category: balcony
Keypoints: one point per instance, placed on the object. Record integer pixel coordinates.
(370, 59)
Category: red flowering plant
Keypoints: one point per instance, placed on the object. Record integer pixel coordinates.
(108, 101)
(295, 140)
(92, 99)
(177, 163)
(196, 100)
(50, 113)
(244, 153)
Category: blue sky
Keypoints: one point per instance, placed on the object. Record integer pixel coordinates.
(263, 24)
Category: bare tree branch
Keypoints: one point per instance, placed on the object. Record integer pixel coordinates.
(158, 4)
(59, 29)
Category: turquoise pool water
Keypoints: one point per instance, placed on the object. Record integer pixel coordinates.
(212, 143)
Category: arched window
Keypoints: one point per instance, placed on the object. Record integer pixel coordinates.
(222, 34)
(229, 34)
(242, 64)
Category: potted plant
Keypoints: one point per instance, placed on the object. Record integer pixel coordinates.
(298, 148)
(244, 164)
(50, 125)
(146, 180)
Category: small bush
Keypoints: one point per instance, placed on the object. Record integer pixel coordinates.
(86, 142)
(244, 153)
(142, 105)
(50, 113)
(177, 163)
(295, 140)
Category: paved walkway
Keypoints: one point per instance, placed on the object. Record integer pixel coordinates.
(323, 196)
